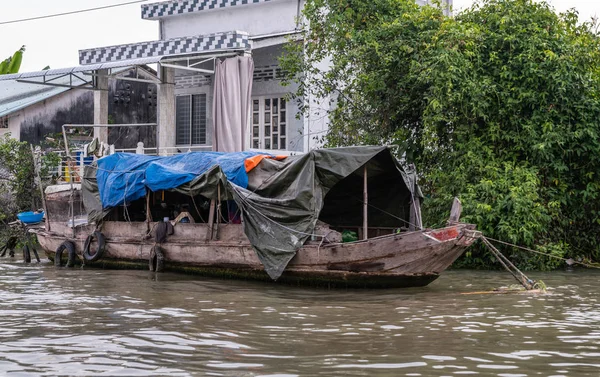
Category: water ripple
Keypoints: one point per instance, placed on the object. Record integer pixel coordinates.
(134, 323)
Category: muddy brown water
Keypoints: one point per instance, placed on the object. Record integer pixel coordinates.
(91, 322)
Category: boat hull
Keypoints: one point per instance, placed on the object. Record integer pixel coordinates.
(398, 260)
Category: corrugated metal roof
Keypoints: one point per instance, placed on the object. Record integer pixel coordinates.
(15, 96)
(81, 68)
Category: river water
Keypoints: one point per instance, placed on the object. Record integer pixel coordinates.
(136, 323)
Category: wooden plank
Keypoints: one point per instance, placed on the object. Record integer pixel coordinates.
(409, 253)
(211, 220)
(455, 212)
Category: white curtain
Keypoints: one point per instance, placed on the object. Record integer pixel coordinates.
(231, 103)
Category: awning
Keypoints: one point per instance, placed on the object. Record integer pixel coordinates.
(73, 76)
(185, 53)
(56, 77)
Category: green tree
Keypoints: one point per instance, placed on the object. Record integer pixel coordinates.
(499, 105)
(12, 64)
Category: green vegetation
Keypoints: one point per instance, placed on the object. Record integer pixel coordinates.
(499, 106)
(12, 64)
(18, 191)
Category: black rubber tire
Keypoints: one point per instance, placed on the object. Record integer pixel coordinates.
(156, 262)
(86, 248)
(35, 254)
(71, 255)
(26, 254)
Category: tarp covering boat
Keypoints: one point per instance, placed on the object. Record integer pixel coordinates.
(280, 200)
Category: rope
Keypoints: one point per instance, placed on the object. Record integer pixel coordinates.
(568, 261)
(197, 210)
(386, 212)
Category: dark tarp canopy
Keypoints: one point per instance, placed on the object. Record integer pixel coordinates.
(280, 200)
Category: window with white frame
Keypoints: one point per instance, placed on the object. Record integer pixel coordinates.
(190, 119)
(269, 123)
(3, 122)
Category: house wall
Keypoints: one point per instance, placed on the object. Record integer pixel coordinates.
(13, 126)
(129, 102)
(255, 19)
(267, 82)
(35, 122)
(187, 83)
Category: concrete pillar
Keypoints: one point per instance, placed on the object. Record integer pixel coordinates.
(101, 105)
(166, 110)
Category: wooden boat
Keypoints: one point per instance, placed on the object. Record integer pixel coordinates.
(383, 257)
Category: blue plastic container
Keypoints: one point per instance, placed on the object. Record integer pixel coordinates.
(30, 217)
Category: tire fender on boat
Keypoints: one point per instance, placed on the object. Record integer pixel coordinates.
(26, 254)
(156, 262)
(86, 248)
(70, 248)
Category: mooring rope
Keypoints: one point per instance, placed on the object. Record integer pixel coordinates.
(568, 261)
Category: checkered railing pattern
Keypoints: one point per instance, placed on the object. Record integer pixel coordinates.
(222, 41)
(174, 7)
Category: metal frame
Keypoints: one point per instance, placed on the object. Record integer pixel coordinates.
(118, 75)
(65, 126)
(191, 97)
(167, 62)
(189, 66)
(88, 84)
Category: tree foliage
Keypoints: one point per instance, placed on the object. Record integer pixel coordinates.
(12, 64)
(499, 106)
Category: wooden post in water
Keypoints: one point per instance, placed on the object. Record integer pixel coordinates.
(365, 205)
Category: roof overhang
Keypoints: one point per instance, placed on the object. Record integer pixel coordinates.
(267, 40)
(82, 77)
(209, 43)
(77, 75)
(155, 11)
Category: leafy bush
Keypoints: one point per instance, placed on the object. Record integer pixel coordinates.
(499, 106)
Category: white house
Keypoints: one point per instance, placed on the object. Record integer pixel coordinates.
(218, 77)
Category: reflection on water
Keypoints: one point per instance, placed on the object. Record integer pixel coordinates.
(96, 322)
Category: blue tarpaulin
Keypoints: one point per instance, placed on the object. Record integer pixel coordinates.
(124, 177)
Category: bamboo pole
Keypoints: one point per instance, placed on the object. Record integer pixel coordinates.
(365, 205)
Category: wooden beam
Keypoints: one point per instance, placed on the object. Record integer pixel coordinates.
(211, 217)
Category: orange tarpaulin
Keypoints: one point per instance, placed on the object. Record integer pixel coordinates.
(252, 162)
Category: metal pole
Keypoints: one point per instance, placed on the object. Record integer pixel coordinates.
(365, 205)
(72, 198)
(39, 182)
